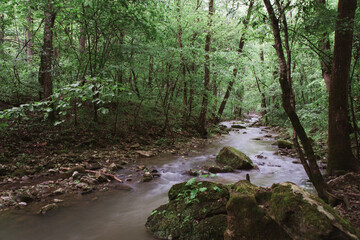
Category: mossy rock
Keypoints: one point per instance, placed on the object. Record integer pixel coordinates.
(284, 144)
(196, 210)
(217, 169)
(234, 158)
(238, 126)
(304, 216)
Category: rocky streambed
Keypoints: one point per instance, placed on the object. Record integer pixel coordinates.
(107, 213)
(206, 210)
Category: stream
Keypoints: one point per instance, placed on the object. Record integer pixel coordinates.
(121, 215)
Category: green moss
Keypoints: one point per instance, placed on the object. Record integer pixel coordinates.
(244, 187)
(284, 144)
(182, 219)
(232, 157)
(303, 214)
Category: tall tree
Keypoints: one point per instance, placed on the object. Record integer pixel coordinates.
(310, 165)
(204, 105)
(2, 33)
(340, 156)
(182, 60)
(325, 47)
(29, 42)
(45, 76)
(235, 71)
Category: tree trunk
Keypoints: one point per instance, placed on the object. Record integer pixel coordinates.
(315, 175)
(204, 106)
(340, 156)
(29, 43)
(182, 62)
(325, 46)
(235, 71)
(45, 77)
(2, 33)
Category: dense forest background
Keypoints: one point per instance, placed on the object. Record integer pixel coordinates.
(167, 67)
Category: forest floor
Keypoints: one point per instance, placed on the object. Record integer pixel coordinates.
(44, 168)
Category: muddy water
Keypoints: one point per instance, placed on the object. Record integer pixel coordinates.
(122, 215)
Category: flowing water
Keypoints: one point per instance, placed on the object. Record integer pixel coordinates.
(121, 215)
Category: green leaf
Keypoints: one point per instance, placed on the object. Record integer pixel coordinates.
(59, 122)
(191, 181)
(203, 189)
(216, 188)
(193, 193)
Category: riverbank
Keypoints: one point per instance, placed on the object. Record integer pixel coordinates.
(81, 174)
(46, 171)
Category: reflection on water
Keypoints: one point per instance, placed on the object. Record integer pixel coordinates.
(122, 215)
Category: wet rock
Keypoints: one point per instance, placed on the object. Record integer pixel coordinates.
(124, 162)
(52, 171)
(25, 197)
(284, 144)
(238, 126)
(193, 173)
(100, 177)
(59, 191)
(147, 177)
(196, 210)
(93, 166)
(234, 158)
(84, 188)
(155, 175)
(260, 156)
(215, 169)
(88, 180)
(227, 169)
(47, 208)
(141, 167)
(76, 175)
(114, 167)
(145, 153)
(22, 204)
(79, 169)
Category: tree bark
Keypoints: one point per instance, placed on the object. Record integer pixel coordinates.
(325, 46)
(45, 77)
(29, 43)
(204, 105)
(315, 175)
(2, 33)
(340, 156)
(182, 62)
(235, 71)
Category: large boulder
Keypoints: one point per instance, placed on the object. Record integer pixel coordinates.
(234, 158)
(304, 216)
(196, 210)
(285, 211)
(247, 215)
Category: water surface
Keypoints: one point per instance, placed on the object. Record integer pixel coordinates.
(121, 215)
